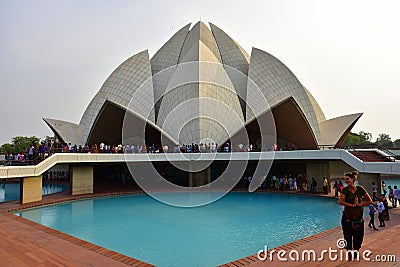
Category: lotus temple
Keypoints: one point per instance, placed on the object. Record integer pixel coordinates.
(201, 88)
(201, 85)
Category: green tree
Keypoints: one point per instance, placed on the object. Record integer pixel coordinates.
(365, 137)
(21, 142)
(396, 143)
(384, 140)
(351, 139)
(6, 147)
(360, 139)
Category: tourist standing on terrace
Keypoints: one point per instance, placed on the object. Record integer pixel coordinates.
(352, 219)
(31, 152)
(42, 150)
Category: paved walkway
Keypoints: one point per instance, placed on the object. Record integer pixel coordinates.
(24, 243)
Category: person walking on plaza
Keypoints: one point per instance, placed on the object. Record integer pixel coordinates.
(396, 196)
(374, 191)
(385, 213)
(325, 186)
(313, 186)
(352, 219)
(391, 195)
(381, 208)
(336, 188)
(372, 216)
(384, 188)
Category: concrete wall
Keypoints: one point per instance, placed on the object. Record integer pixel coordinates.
(337, 169)
(334, 170)
(318, 171)
(81, 180)
(31, 189)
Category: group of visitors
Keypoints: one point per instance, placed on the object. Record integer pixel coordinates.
(290, 182)
(337, 187)
(37, 152)
(34, 153)
(383, 204)
(199, 148)
(394, 194)
(382, 207)
(213, 148)
(155, 148)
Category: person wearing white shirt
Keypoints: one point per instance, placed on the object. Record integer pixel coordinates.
(101, 147)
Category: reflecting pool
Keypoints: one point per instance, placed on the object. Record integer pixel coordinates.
(236, 226)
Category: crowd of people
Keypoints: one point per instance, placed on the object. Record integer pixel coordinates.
(35, 153)
(290, 182)
(183, 148)
(382, 203)
(39, 151)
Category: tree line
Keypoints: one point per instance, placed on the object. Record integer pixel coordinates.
(364, 139)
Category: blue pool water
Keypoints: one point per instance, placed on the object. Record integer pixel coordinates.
(10, 191)
(236, 226)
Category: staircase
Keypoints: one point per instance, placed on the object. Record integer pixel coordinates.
(371, 156)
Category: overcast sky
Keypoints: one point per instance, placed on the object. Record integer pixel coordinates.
(55, 55)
